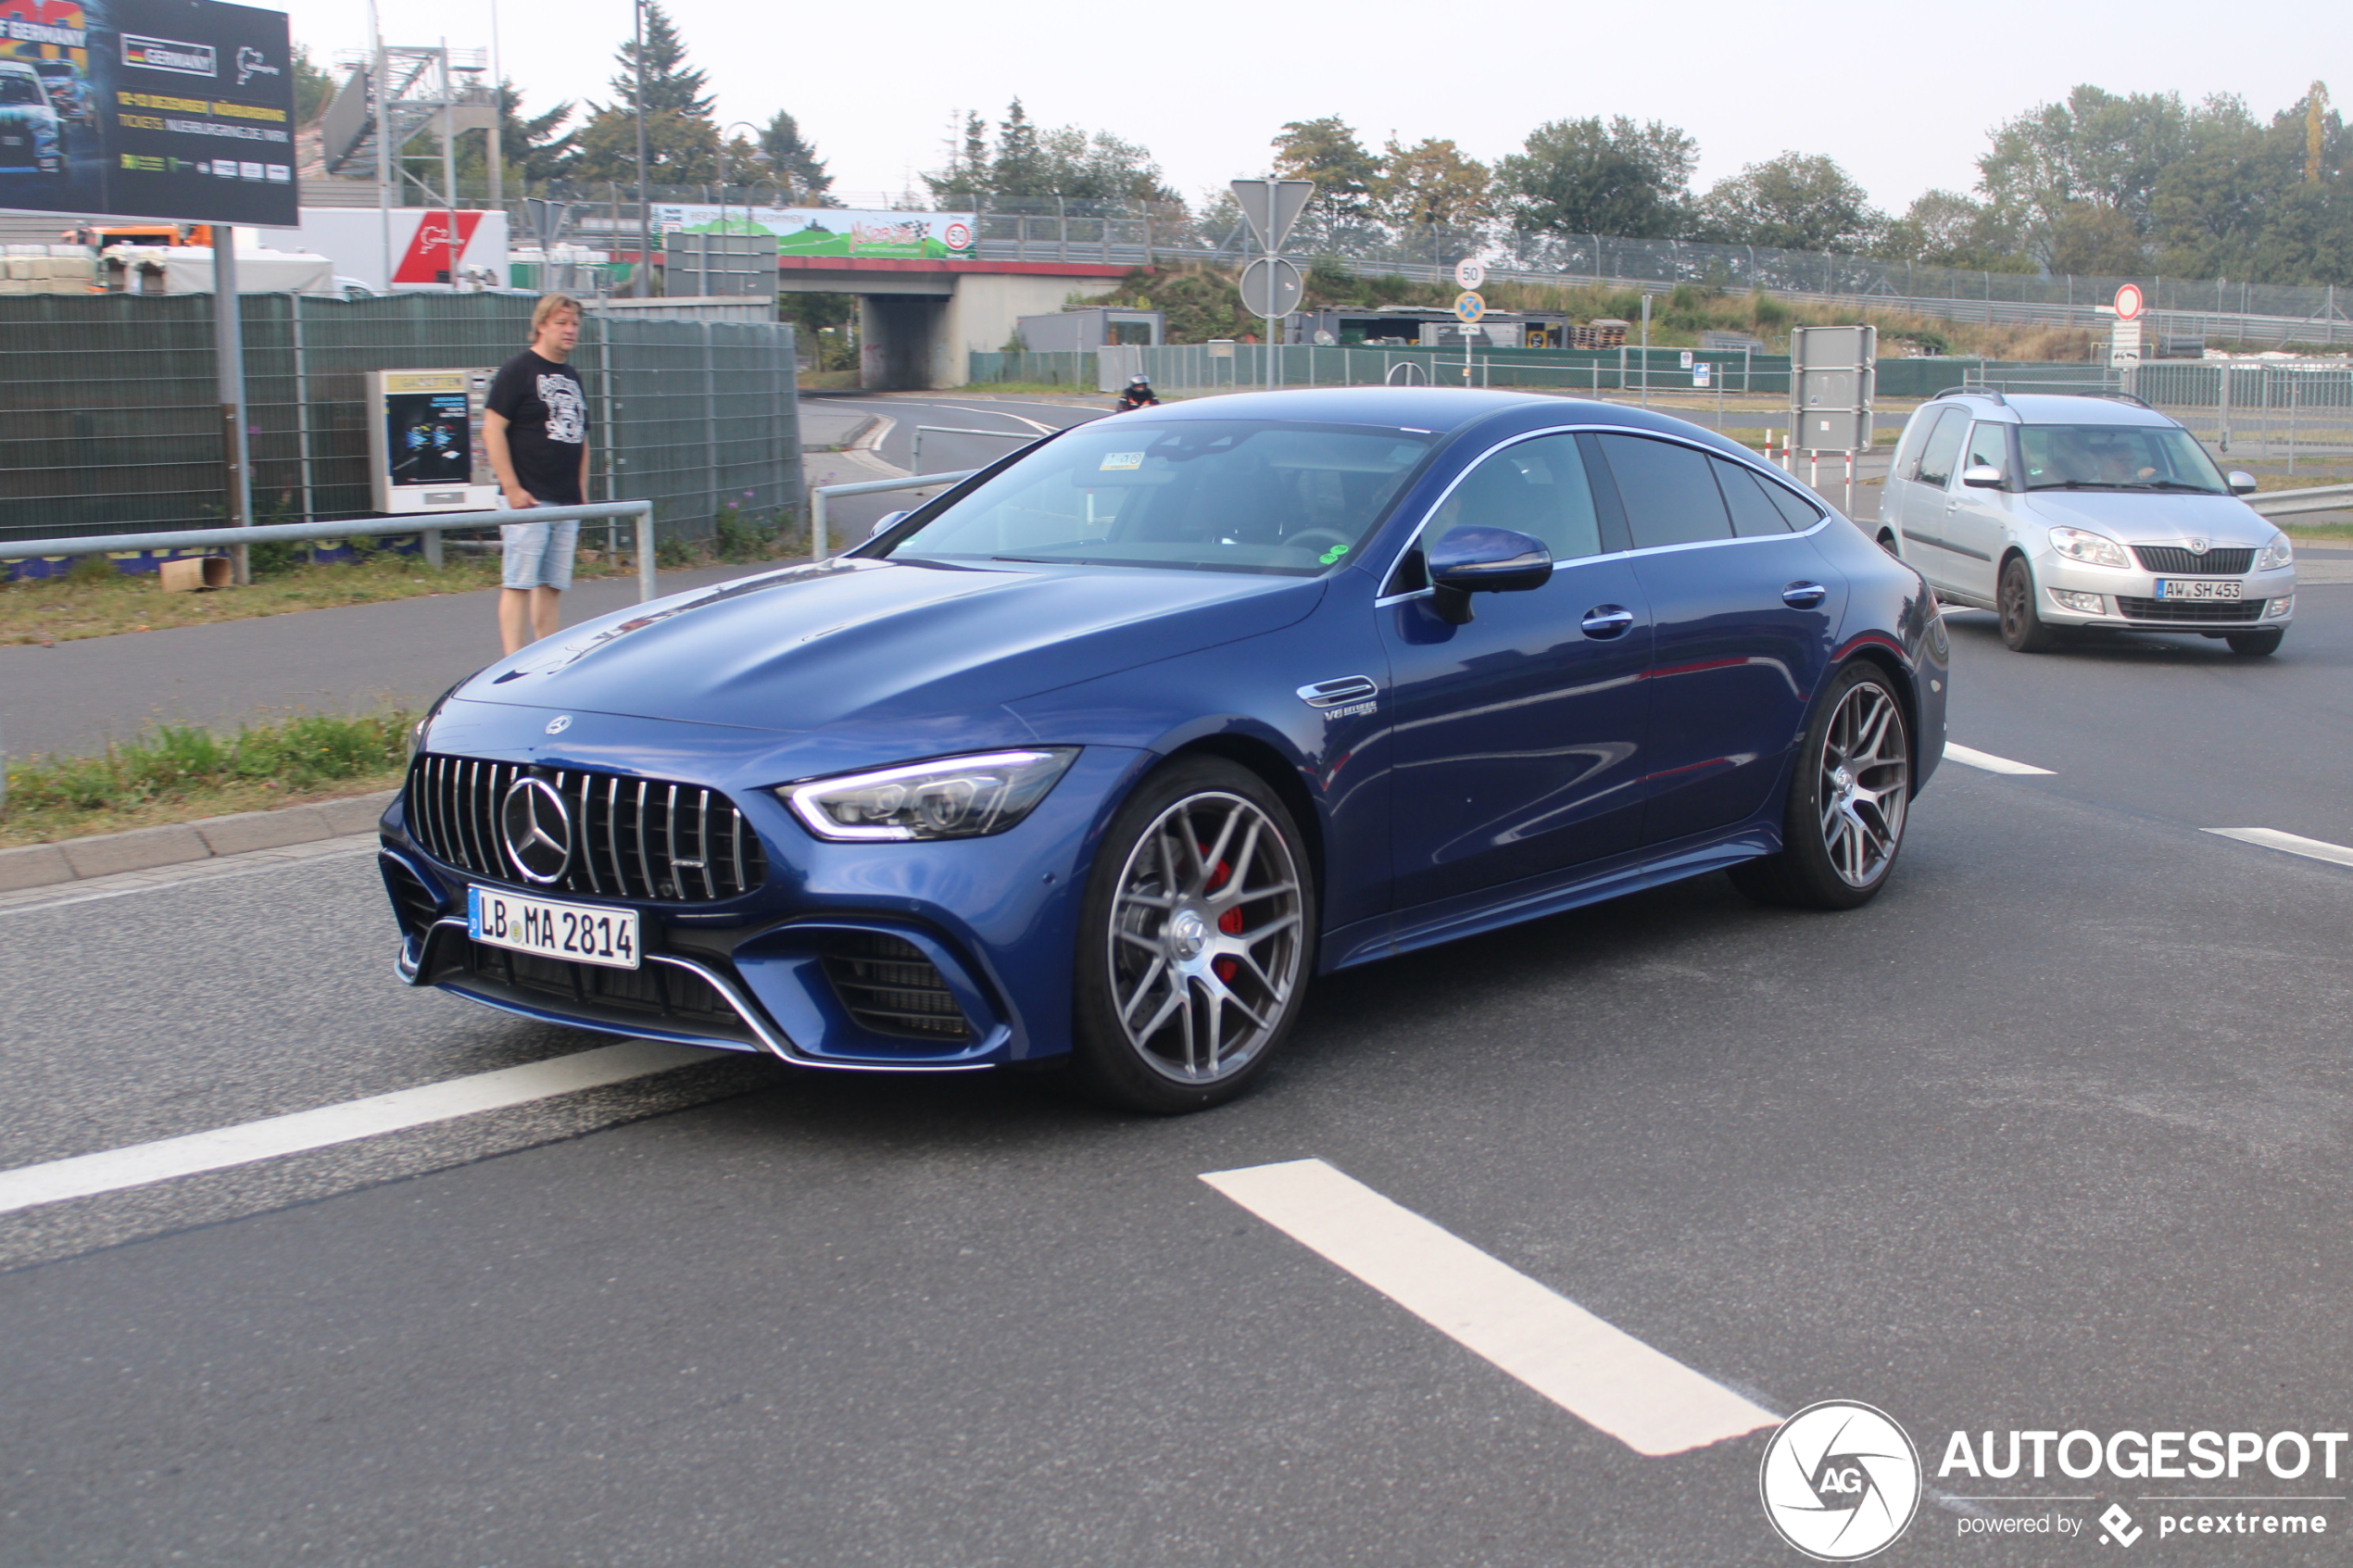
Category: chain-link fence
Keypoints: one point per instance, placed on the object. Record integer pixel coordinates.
(111, 419)
(2267, 410)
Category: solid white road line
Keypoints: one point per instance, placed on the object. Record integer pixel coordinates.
(2271, 838)
(139, 1164)
(1651, 1402)
(1971, 758)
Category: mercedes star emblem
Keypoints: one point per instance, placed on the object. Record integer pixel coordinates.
(560, 724)
(537, 828)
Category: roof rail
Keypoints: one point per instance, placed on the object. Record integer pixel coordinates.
(2125, 398)
(1974, 389)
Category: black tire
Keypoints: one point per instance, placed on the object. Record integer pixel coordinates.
(1843, 827)
(2023, 628)
(1231, 948)
(2257, 644)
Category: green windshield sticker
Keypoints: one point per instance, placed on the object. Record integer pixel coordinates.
(1334, 554)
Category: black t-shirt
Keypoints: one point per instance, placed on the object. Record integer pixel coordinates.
(547, 413)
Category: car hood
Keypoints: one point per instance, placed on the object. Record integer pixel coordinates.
(2154, 518)
(884, 641)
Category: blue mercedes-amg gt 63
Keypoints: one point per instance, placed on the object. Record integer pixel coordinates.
(1097, 758)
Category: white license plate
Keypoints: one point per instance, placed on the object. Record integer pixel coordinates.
(584, 933)
(2199, 588)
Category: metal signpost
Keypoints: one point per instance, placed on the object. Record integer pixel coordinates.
(2124, 338)
(1470, 306)
(1832, 378)
(1271, 286)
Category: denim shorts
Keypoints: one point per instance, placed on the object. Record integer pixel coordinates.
(538, 555)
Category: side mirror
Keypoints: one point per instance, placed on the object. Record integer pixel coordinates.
(1981, 476)
(1483, 560)
(889, 520)
(2241, 482)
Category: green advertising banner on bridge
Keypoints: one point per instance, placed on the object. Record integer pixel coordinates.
(832, 231)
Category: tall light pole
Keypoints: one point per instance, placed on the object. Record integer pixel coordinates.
(644, 279)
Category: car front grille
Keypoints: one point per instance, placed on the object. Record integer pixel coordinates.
(2204, 612)
(632, 838)
(657, 991)
(2214, 563)
(888, 986)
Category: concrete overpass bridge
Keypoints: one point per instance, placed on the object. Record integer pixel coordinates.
(918, 322)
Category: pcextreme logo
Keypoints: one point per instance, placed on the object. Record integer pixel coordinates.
(1840, 1481)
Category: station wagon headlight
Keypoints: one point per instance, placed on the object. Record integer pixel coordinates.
(950, 797)
(2092, 549)
(2276, 554)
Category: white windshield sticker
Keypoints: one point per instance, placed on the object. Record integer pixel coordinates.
(1121, 460)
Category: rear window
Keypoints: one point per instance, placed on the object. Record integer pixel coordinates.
(1668, 493)
(1943, 446)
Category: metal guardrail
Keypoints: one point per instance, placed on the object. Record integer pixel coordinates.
(1023, 436)
(2290, 503)
(819, 545)
(428, 527)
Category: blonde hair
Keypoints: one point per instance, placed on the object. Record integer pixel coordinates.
(545, 309)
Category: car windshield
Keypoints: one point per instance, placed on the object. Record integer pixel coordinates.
(1291, 499)
(2116, 458)
(15, 89)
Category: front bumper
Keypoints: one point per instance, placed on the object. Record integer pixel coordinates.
(849, 956)
(2128, 600)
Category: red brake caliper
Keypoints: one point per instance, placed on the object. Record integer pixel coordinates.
(1230, 922)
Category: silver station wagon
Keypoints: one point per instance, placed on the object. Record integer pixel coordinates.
(2092, 514)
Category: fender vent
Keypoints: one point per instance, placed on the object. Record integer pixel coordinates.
(888, 986)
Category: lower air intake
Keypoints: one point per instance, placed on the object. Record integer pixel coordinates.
(889, 988)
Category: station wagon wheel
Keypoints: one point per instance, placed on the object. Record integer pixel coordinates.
(2023, 628)
(1848, 800)
(1193, 958)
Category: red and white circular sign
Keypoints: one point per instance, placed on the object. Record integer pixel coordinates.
(958, 238)
(2128, 302)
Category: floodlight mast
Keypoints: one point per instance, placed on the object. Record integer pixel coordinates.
(644, 279)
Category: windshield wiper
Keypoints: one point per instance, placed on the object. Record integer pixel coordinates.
(2080, 484)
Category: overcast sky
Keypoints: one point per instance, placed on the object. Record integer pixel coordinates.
(1204, 84)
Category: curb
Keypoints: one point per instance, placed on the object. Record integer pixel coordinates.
(107, 854)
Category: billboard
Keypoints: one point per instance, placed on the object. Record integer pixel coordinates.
(832, 231)
(428, 249)
(147, 108)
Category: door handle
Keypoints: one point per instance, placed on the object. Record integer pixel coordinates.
(1607, 620)
(1953, 505)
(1804, 595)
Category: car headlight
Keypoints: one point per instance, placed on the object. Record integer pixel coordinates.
(949, 798)
(2092, 549)
(2276, 554)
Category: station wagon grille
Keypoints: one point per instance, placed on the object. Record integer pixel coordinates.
(2214, 563)
(632, 838)
(2209, 611)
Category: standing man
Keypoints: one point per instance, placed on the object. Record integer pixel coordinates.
(536, 425)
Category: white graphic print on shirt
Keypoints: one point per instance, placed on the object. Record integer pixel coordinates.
(566, 412)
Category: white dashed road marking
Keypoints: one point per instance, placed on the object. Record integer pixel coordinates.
(1970, 757)
(1651, 1402)
(112, 1170)
(2271, 838)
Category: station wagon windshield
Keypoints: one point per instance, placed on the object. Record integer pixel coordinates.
(1290, 499)
(2116, 458)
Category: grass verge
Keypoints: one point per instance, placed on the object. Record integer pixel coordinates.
(178, 774)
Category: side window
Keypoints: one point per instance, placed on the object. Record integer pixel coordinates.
(1753, 510)
(1908, 455)
(1670, 496)
(1943, 446)
(1533, 487)
(1801, 512)
(1990, 444)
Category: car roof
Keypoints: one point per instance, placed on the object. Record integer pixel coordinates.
(14, 66)
(2054, 408)
(1445, 411)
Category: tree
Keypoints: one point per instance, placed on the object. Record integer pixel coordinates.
(1798, 201)
(1020, 166)
(1432, 183)
(1947, 229)
(1327, 152)
(682, 145)
(1582, 177)
(2240, 205)
(314, 88)
(2051, 169)
(531, 148)
(1031, 163)
(966, 176)
(793, 162)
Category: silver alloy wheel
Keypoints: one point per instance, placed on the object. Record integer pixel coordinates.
(1205, 947)
(1866, 779)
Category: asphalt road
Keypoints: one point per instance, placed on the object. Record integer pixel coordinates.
(2053, 1134)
